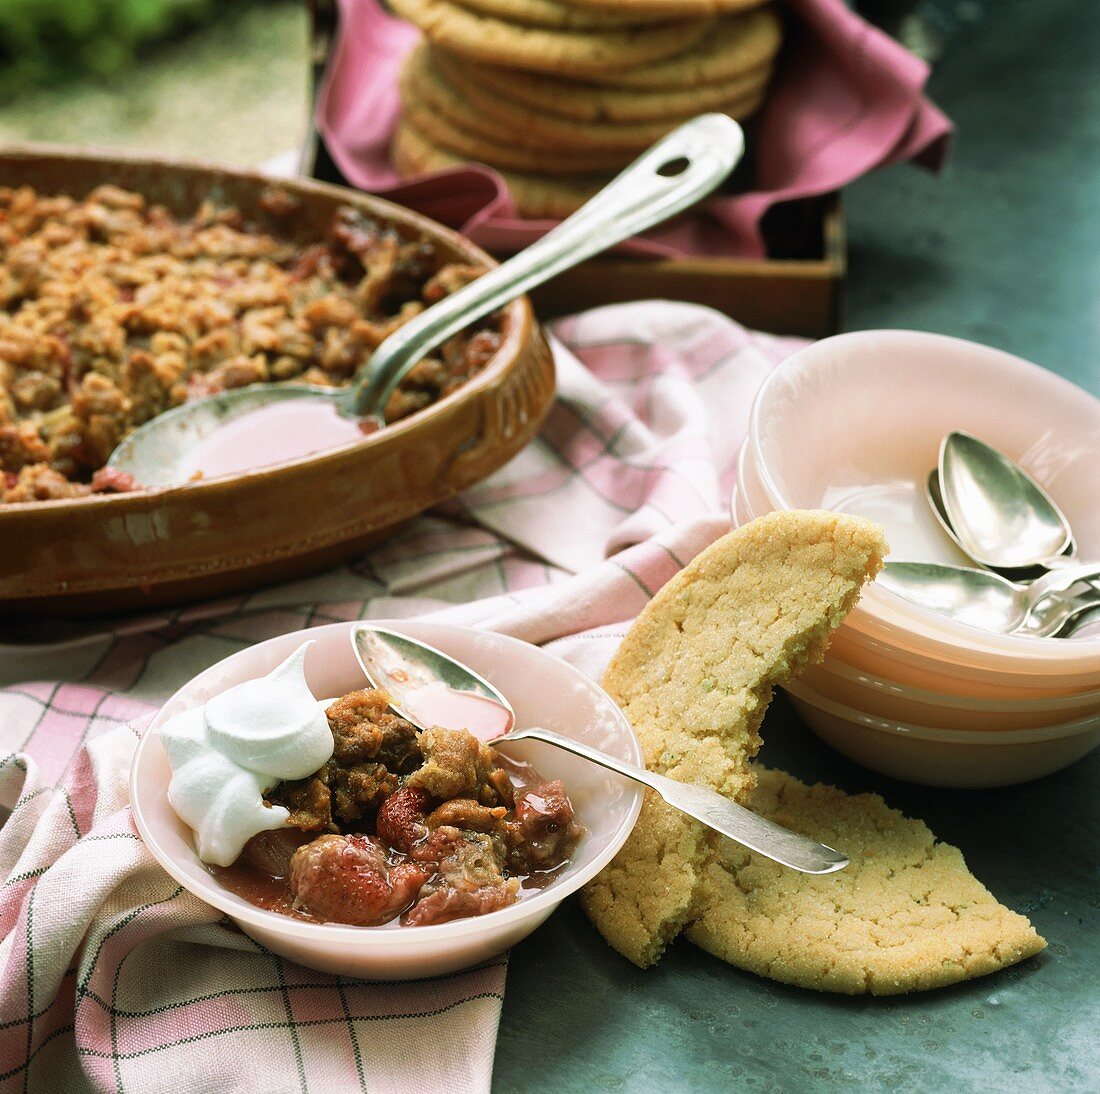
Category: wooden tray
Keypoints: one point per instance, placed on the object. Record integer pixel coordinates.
(803, 296)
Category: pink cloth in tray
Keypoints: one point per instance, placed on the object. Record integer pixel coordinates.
(846, 99)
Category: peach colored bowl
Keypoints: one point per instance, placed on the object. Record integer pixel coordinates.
(933, 756)
(877, 695)
(868, 410)
(544, 691)
(915, 669)
(209, 538)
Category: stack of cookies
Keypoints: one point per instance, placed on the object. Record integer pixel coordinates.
(559, 95)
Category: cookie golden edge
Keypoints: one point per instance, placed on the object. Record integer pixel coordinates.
(592, 103)
(535, 197)
(455, 122)
(575, 53)
(732, 46)
(441, 80)
(650, 891)
(558, 15)
(907, 915)
(677, 9)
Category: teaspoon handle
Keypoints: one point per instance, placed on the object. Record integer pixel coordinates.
(707, 806)
(1052, 618)
(1062, 580)
(705, 149)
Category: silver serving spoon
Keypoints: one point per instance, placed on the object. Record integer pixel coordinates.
(675, 173)
(401, 666)
(997, 513)
(986, 600)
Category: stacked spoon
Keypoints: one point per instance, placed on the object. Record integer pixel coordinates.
(1029, 582)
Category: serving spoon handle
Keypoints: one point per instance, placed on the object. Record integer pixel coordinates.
(706, 806)
(672, 175)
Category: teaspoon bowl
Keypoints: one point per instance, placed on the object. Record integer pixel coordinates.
(996, 512)
(989, 602)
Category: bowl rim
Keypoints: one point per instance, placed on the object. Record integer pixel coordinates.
(999, 670)
(863, 678)
(1050, 651)
(544, 901)
(518, 322)
(965, 737)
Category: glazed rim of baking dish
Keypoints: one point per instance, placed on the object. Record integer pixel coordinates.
(516, 324)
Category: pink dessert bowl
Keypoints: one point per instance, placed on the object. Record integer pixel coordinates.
(544, 690)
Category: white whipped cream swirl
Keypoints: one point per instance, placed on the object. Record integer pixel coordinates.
(225, 755)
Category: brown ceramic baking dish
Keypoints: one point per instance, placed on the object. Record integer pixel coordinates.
(112, 553)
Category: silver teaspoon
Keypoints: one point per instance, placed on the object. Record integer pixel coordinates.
(1000, 516)
(935, 497)
(1087, 602)
(707, 806)
(675, 173)
(984, 599)
(401, 666)
(420, 680)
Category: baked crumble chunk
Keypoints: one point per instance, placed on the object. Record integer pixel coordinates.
(112, 310)
(406, 827)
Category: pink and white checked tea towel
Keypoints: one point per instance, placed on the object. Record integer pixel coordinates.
(112, 977)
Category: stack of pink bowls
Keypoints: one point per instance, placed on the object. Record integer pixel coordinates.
(854, 423)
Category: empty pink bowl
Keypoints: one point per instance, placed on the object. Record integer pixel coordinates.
(544, 690)
(854, 423)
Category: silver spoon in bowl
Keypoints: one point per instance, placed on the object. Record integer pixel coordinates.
(934, 496)
(674, 174)
(402, 666)
(996, 512)
(984, 599)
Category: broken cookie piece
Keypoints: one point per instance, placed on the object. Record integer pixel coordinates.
(641, 900)
(694, 676)
(906, 915)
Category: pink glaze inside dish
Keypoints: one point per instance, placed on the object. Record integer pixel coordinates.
(439, 705)
(273, 434)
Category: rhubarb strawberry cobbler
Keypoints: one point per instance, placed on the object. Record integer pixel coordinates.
(351, 815)
(113, 309)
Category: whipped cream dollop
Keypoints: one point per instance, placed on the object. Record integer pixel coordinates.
(225, 755)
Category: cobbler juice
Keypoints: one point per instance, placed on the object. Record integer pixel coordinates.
(439, 705)
(274, 434)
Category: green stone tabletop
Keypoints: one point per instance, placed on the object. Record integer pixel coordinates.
(1004, 249)
(579, 1017)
